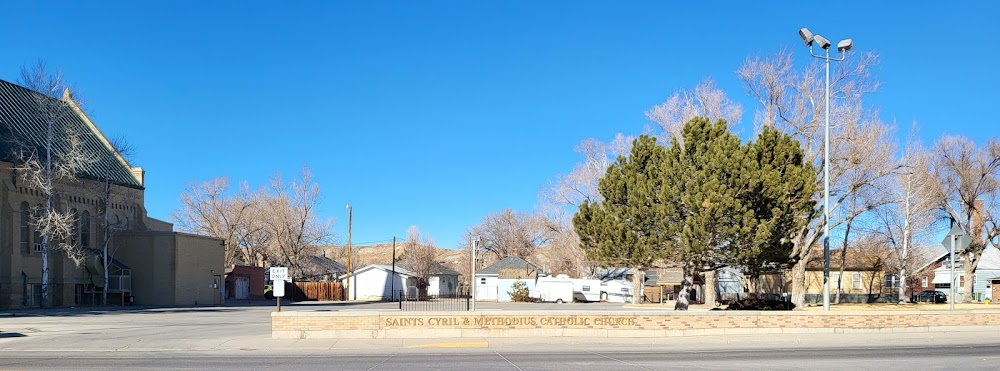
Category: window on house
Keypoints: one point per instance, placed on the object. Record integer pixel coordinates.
(835, 281)
(891, 281)
(961, 281)
(856, 283)
(482, 281)
(37, 236)
(923, 282)
(25, 228)
(85, 229)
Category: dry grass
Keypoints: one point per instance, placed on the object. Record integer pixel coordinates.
(669, 305)
(901, 307)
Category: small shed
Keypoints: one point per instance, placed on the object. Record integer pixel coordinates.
(244, 282)
(491, 286)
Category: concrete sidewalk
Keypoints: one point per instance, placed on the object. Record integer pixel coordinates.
(221, 344)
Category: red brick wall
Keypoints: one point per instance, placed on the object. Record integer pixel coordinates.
(256, 275)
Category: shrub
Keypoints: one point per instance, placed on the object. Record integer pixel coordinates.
(519, 291)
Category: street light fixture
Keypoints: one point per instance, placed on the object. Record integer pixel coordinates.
(843, 46)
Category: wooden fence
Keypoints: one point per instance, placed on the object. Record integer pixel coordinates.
(320, 291)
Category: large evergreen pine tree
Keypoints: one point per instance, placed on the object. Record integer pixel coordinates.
(629, 227)
(702, 203)
(704, 179)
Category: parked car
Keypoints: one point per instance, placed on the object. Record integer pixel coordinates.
(930, 296)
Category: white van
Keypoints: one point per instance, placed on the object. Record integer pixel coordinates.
(553, 290)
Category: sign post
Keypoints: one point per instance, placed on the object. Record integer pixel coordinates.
(278, 277)
(956, 239)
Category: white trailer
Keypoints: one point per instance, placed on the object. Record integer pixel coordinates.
(585, 290)
(553, 290)
(617, 291)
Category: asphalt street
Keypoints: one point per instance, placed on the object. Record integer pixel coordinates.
(881, 358)
(238, 338)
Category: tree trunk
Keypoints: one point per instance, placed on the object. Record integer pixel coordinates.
(637, 286)
(840, 278)
(971, 261)
(45, 271)
(682, 297)
(799, 284)
(903, 298)
(710, 297)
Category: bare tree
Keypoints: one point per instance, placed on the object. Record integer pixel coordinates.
(420, 257)
(291, 217)
(210, 209)
(793, 102)
(705, 101)
(964, 185)
(510, 233)
(911, 213)
(562, 252)
(59, 159)
(108, 228)
(570, 190)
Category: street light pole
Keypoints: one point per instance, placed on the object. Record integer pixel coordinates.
(826, 193)
(350, 221)
(472, 274)
(843, 46)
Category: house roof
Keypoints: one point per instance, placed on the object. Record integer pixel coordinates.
(439, 269)
(321, 264)
(937, 260)
(990, 259)
(114, 262)
(399, 270)
(856, 259)
(509, 262)
(672, 276)
(22, 126)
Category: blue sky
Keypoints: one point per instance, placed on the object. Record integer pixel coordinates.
(437, 113)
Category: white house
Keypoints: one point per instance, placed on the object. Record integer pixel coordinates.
(495, 282)
(988, 269)
(378, 282)
(443, 281)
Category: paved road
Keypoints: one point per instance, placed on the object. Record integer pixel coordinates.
(239, 338)
(881, 358)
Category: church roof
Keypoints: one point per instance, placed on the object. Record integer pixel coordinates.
(23, 126)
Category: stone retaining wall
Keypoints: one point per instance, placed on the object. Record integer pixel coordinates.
(306, 325)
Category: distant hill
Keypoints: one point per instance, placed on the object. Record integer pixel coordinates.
(382, 254)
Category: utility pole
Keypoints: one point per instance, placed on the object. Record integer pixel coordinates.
(350, 220)
(951, 285)
(906, 238)
(472, 274)
(392, 279)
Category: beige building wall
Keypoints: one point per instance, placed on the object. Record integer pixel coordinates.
(151, 257)
(126, 211)
(171, 268)
(200, 267)
(872, 282)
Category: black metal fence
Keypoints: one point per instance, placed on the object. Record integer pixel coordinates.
(415, 300)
